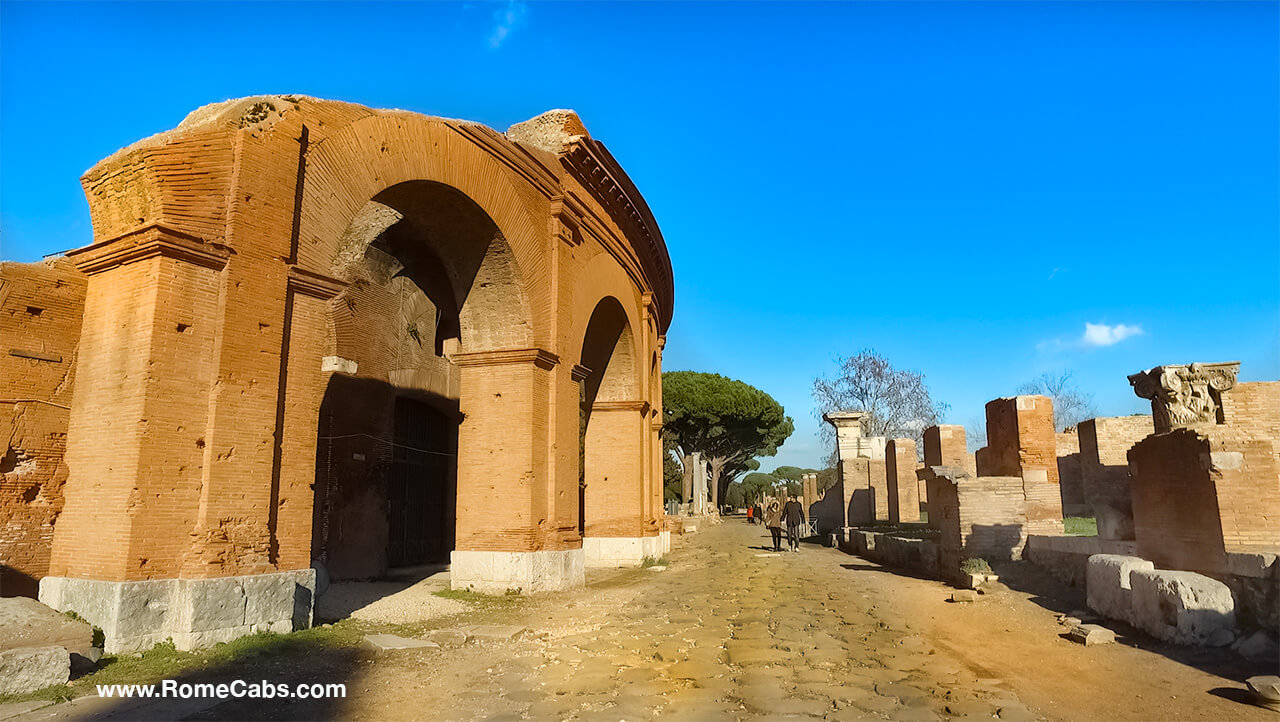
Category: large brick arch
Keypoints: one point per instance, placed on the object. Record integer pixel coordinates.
(212, 315)
(371, 155)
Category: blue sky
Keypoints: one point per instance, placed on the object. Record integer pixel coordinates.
(962, 187)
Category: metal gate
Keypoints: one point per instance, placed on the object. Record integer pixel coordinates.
(422, 487)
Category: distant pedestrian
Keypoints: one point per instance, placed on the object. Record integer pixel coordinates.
(793, 517)
(751, 515)
(773, 520)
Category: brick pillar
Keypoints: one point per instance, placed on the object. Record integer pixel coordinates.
(190, 542)
(136, 433)
(900, 472)
(944, 445)
(511, 531)
(618, 512)
(1021, 442)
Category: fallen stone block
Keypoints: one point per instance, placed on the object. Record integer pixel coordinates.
(24, 622)
(495, 632)
(1181, 607)
(28, 669)
(1266, 691)
(658, 568)
(1091, 634)
(387, 642)
(964, 595)
(1108, 584)
(448, 637)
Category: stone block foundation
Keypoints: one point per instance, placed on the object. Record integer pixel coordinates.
(530, 572)
(623, 551)
(195, 613)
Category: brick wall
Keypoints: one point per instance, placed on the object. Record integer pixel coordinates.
(1069, 475)
(1254, 408)
(1199, 494)
(980, 517)
(41, 305)
(903, 490)
(1104, 469)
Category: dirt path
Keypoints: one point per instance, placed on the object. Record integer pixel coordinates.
(729, 632)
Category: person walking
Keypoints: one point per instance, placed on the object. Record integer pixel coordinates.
(793, 517)
(751, 514)
(773, 520)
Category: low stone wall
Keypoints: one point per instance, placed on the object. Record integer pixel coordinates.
(1067, 557)
(918, 554)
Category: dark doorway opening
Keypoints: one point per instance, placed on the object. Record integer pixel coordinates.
(422, 489)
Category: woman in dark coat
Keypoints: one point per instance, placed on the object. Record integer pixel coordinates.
(773, 520)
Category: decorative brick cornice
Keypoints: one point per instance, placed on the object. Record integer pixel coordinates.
(593, 166)
(310, 283)
(579, 372)
(149, 242)
(538, 357)
(641, 406)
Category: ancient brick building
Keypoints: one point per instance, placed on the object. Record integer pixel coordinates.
(317, 330)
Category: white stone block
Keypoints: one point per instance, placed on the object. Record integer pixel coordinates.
(28, 669)
(1107, 582)
(499, 572)
(1181, 607)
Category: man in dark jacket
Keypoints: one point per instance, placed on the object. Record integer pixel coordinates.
(793, 517)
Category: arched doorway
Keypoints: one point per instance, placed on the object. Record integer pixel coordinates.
(613, 509)
(429, 275)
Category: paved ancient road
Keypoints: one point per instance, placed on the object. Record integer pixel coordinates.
(724, 633)
(730, 633)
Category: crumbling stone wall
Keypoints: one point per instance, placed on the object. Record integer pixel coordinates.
(1021, 442)
(41, 305)
(1104, 469)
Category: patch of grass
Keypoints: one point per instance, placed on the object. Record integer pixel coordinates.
(651, 562)
(164, 661)
(975, 565)
(1080, 526)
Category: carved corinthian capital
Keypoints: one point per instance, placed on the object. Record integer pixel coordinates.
(1185, 394)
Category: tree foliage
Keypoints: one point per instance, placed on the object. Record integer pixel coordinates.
(897, 402)
(1070, 404)
(728, 421)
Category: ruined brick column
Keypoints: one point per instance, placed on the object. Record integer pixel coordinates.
(944, 445)
(1206, 484)
(903, 488)
(1021, 442)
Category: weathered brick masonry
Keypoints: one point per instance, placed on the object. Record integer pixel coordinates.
(1021, 442)
(309, 325)
(1104, 470)
(40, 309)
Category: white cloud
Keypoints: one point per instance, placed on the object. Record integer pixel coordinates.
(1100, 334)
(505, 20)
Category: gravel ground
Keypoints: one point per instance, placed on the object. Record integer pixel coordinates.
(387, 602)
